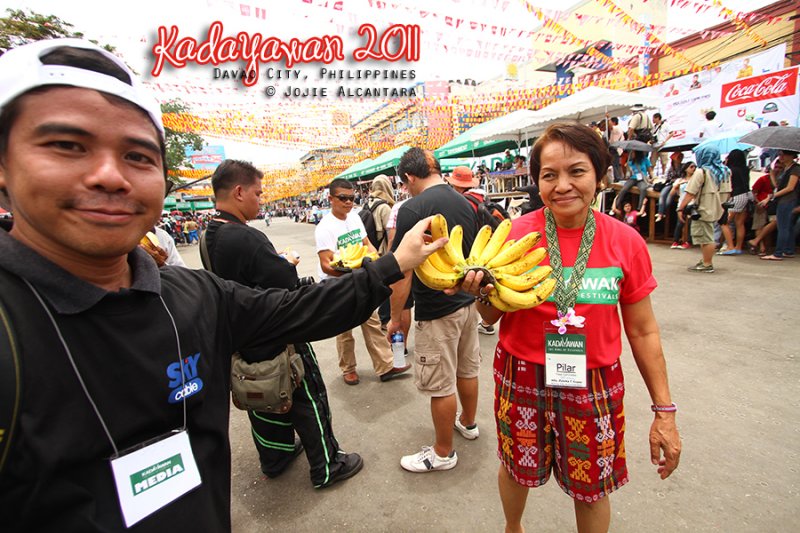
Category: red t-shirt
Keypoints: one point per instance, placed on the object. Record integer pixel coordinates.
(619, 271)
(762, 188)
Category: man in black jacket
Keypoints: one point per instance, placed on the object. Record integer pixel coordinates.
(122, 418)
(243, 254)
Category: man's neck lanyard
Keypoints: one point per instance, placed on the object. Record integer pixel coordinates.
(566, 296)
(225, 221)
(80, 378)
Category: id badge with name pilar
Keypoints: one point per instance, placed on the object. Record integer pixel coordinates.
(565, 360)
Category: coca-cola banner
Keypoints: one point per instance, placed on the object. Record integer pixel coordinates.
(757, 88)
(757, 85)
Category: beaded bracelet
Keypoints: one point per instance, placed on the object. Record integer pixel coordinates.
(672, 408)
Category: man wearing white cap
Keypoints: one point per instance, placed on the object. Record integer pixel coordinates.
(114, 374)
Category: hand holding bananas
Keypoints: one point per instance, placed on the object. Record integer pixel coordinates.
(499, 270)
(413, 250)
(352, 256)
(150, 244)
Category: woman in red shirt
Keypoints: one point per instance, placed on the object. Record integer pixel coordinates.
(559, 384)
(764, 222)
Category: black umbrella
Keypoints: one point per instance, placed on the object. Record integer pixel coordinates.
(681, 145)
(780, 137)
(637, 146)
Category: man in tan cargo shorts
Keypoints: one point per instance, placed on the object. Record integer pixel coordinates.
(446, 348)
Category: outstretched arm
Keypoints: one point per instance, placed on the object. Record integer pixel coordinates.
(641, 329)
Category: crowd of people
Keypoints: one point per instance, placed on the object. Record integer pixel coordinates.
(185, 228)
(747, 216)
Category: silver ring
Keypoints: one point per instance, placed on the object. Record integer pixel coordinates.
(483, 295)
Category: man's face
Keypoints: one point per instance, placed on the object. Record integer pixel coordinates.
(251, 201)
(342, 201)
(413, 185)
(84, 174)
(657, 120)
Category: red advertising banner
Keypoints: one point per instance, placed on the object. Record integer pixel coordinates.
(772, 85)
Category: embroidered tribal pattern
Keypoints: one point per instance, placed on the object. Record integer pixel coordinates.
(574, 435)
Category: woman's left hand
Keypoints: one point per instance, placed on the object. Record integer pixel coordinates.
(664, 439)
(471, 284)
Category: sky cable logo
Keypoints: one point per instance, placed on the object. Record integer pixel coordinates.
(599, 285)
(193, 383)
(156, 474)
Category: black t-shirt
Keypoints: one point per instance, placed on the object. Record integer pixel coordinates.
(740, 180)
(245, 255)
(58, 476)
(783, 182)
(456, 210)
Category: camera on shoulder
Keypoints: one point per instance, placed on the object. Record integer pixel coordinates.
(691, 211)
(305, 281)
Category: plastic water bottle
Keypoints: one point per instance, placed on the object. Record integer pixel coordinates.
(398, 349)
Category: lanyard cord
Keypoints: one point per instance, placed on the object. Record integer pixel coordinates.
(80, 378)
(180, 360)
(566, 297)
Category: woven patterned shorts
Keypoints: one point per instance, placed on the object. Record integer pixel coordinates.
(579, 433)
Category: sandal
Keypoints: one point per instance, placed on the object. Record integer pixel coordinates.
(772, 258)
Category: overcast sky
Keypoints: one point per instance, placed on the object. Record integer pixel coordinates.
(131, 27)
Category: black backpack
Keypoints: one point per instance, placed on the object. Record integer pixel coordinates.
(367, 215)
(489, 213)
(644, 134)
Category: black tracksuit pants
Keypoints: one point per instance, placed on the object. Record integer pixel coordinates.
(310, 417)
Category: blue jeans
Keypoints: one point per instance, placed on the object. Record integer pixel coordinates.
(631, 183)
(785, 243)
(664, 199)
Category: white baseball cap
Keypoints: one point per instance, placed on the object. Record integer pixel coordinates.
(22, 70)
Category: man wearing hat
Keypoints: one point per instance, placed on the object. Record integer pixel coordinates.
(749, 124)
(115, 378)
(640, 126)
(464, 181)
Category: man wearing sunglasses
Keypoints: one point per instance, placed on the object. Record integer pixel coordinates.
(337, 229)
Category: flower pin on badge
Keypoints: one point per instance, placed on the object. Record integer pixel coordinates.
(568, 319)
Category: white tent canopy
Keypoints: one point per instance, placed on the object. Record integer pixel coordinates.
(591, 104)
(505, 128)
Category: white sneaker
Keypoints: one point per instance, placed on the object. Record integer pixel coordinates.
(485, 329)
(427, 461)
(468, 432)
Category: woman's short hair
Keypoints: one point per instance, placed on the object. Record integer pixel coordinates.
(578, 137)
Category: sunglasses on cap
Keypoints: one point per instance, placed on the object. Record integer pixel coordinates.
(345, 198)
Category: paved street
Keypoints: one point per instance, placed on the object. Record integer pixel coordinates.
(731, 344)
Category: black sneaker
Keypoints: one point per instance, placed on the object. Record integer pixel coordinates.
(351, 465)
(700, 267)
(281, 468)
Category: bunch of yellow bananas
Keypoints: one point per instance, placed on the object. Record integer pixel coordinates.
(505, 264)
(352, 256)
